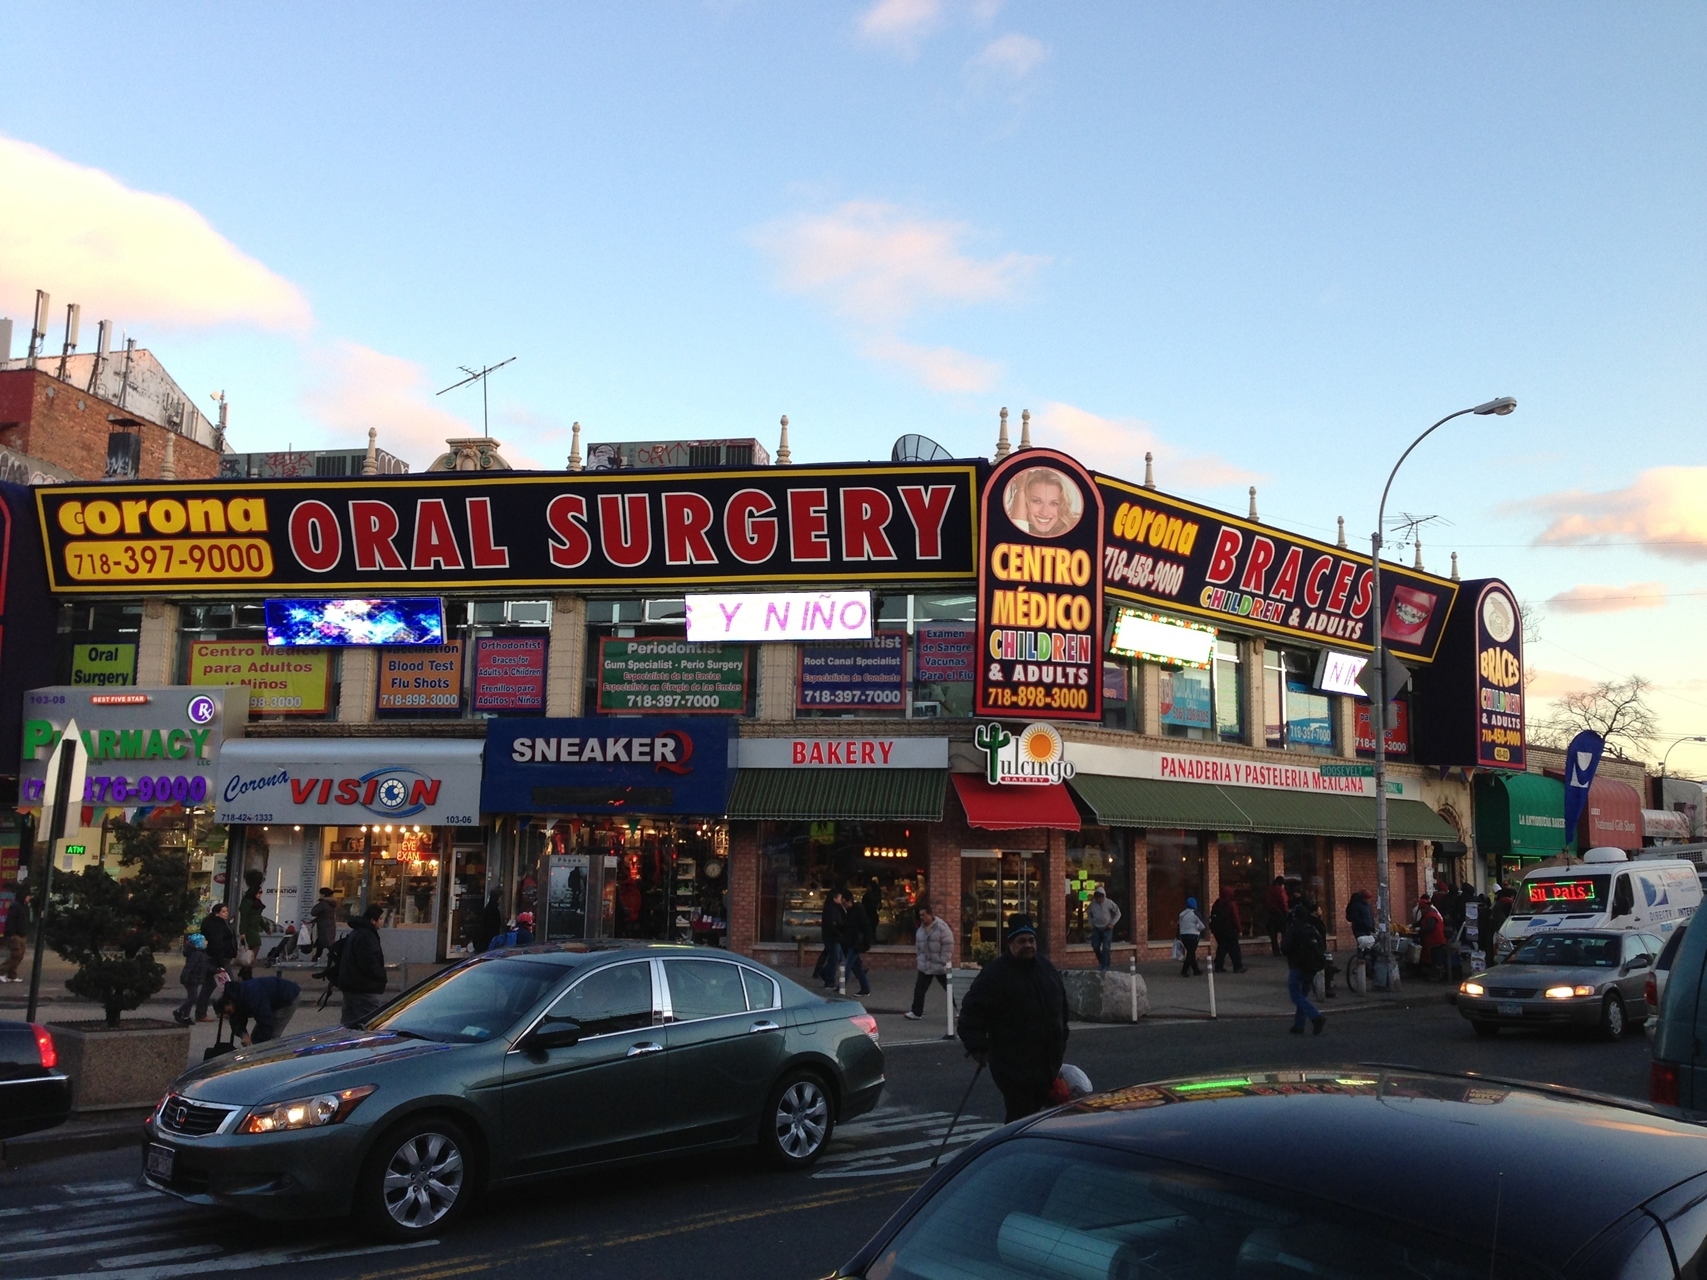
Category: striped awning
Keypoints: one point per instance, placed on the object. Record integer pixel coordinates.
(1193, 806)
(849, 795)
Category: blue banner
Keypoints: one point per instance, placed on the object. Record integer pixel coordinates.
(607, 764)
(1582, 758)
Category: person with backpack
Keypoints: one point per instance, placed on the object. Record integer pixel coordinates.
(196, 972)
(361, 967)
(1224, 925)
(1305, 958)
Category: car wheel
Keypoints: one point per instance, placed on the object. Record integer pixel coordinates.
(1486, 1029)
(798, 1121)
(1612, 1018)
(418, 1179)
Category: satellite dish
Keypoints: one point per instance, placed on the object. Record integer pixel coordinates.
(917, 448)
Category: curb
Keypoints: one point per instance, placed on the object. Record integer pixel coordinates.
(70, 1140)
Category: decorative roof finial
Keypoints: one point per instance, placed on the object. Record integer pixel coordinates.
(784, 456)
(1418, 562)
(1455, 566)
(370, 464)
(1003, 448)
(1149, 470)
(1025, 428)
(1254, 515)
(1341, 543)
(169, 463)
(575, 446)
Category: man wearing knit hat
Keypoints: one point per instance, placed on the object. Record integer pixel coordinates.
(1014, 1019)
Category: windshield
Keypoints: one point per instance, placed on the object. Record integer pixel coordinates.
(1571, 950)
(471, 1003)
(1562, 895)
(1037, 1208)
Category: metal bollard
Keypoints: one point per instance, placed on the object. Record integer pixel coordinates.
(1134, 987)
(1211, 972)
(949, 993)
(842, 978)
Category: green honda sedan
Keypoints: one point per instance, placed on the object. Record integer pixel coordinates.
(514, 1065)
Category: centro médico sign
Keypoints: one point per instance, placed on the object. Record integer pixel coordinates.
(145, 746)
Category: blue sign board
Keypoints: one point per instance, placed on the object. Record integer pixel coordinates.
(607, 764)
(862, 673)
(1185, 699)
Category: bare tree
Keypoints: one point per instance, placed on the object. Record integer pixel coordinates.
(1529, 627)
(1617, 710)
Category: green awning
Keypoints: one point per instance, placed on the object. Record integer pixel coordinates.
(1145, 802)
(851, 795)
(1520, 815)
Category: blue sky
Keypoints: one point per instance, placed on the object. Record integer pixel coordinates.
(1269, 243)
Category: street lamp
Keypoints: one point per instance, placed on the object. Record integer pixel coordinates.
(1664, 758)
(1378, 687)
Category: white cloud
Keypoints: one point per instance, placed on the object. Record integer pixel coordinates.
(1118, 445)
(358, 387)
(1554, 684)
(1616, 598)
(1660, 511)
(901, 24)
(128, 255)
(1009, 57)
(939, 368)
(878, 263)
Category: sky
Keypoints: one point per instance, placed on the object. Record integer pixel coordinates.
(1269, 243)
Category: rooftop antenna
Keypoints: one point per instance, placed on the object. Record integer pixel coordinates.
(73, 319)
(218, 397)
(479, 376)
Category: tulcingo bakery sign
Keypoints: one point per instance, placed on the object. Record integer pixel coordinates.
(1033, 757)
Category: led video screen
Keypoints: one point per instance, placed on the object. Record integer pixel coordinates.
(411, 620)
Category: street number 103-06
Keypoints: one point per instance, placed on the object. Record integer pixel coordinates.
(103, 788)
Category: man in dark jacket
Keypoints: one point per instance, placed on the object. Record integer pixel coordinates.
(269, 1002)
(857, 934)
(361, 969)
(325, 918)
(1015, 1019)
(17, 915)
(489, 924)
(1302, 946)
(1224, 925)
(830, 927)
(1276, 908)
(221, 951)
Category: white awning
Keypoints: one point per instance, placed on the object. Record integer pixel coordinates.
(350, 781)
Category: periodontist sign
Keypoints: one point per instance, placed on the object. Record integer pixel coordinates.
(1040, 591)
(826, 526)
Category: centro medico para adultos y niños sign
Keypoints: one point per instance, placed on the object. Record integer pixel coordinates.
(145, 746)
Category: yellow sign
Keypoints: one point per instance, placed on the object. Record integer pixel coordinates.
(280, 681)
(424, 679)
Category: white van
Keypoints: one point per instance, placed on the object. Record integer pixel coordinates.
(1606, 890)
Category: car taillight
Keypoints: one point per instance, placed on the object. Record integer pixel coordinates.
(1650, 989)
(866, 1023)
(44, 1046)
(1662, 1084)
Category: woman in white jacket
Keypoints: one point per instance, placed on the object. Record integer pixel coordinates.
(1191, 928)
(935, 943)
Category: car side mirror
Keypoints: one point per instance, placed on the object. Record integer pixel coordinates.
(555, 1033)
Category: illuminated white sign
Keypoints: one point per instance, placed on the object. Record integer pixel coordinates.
(780, 615)
(1337, 673)
(1156, 639)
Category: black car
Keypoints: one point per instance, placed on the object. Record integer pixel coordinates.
(34, 1093)
(1351, 1172)
(517, 1064)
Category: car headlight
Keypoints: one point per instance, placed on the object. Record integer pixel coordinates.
(1565, 993)
(304, 1113)
(1472, 989)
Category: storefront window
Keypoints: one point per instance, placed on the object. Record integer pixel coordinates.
(1310, 869)
(1295, 715)
(1229, 691)
(97, 644)
(391, 865)
(1119, 707)
(881, 863)
(706, 679)
(942, 653)
(227, 644)
(1186, 702)
(203, 843)
(1243, 866)
(1097, 858)
(1174, 872)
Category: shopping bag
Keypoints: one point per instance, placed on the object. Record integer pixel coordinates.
(1179, 949)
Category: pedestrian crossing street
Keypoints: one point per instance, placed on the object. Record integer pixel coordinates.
(892, 1140)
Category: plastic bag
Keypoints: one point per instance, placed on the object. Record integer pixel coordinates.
(1179, 949)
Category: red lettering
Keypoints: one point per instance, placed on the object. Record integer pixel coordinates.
(373, 525)
(1286, 585)
(864, 514)
(808, 524)
(625, 528)
(887, 748)
(1313, 581)
(1342, 585)
(314, 537)
(799, 753)
(326, 791)
(301, 789)
(1226, 557)
(868, 753)
(748, 529)
(347, 791)
(927, 509)
(566, 517)
(1256, 568)
(425, 791)
(369, 791)
(687, 516)
(487, 553)
(435, 544)
(1360, 602)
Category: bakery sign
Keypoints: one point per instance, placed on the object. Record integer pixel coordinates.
(1033, 757)
(842, 753)
(1180, 766)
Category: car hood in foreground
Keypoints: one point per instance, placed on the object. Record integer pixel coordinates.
(320, 1061)
(1542, 976)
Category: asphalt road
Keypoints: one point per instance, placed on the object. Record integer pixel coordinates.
(727, 1215)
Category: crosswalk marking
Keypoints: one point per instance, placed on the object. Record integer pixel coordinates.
(160, 1255)
(19, 1211)
(897, 1133)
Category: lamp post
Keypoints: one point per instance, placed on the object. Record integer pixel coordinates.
(1378, 697)
(1666, 757)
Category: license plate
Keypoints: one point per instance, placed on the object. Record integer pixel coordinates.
(1510, 1009)
(160, 1161)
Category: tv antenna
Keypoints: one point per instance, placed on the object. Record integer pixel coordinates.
(480, 376)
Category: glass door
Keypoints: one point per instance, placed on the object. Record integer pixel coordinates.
(996, 884)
